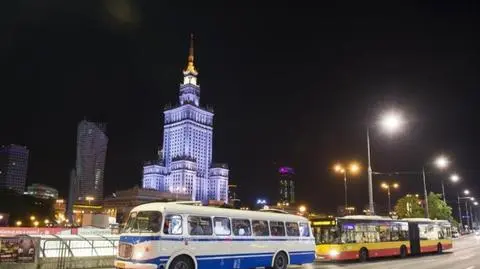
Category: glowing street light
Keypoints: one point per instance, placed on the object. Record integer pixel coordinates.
(442, 162)
(353, 169)
(475, 203)
(18, 223)
(32, 218)
(302, 209)
(391, 122)
(454, 178)
(466, 192)
(36, 223)
(387, 187)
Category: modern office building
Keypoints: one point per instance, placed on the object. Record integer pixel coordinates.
(233, 198)
(186, 165)
(42, 191)
(287, 185)
(91, 153)
(13, 167)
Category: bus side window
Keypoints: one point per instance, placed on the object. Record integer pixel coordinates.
(260, 228)
(241, 227)
(292, 229)
(199, 225)
(222, 226)
(173, 224)
(304, 231)
(277, 228)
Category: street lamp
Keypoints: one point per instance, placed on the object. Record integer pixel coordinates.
(391, 122)
(302, 209)
(466, 192)
(454, 178)
(353, 168)
(440, 162)
(387, 187)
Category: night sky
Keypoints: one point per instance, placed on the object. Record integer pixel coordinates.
(289, 86)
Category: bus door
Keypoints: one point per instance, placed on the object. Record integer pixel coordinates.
(414, 235)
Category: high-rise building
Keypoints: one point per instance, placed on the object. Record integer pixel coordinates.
(13, 167)
(91, 153)
(233, 198)
(186, 163)
(287, 185)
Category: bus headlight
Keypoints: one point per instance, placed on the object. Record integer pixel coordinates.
(333, 253)
(138, 254)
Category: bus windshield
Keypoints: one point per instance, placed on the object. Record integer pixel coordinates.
(326, 235)
(144, 222)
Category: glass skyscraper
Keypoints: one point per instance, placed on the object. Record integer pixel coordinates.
(185, 165)
(13, 167)
(91, 153)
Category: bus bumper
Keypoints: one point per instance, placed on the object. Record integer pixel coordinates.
(133, 265)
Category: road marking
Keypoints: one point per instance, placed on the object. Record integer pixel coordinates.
(470, 267)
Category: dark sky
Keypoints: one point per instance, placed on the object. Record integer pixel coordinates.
(289, 86)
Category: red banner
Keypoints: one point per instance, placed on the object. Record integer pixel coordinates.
(11, 231)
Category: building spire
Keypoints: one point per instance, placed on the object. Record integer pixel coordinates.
(190, 66)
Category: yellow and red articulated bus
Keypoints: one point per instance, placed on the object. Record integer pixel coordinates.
(364, 237)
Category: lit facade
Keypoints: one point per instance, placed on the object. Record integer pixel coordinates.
(13, 167)
(185, 165)
(42, 191)
(91, 153)
(287, 185)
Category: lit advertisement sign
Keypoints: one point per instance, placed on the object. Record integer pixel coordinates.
(19, 249)
(323, 223)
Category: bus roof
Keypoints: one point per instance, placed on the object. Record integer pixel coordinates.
(364, 217)
(215, 211)
(425, 220)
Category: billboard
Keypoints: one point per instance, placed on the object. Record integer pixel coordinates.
(18, 249)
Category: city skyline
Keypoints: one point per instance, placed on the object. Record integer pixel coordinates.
(296, 92)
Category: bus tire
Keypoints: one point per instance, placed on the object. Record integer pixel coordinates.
(182, 262)
(363, 255)
(280, 261)
(439, 248)
(403, 251)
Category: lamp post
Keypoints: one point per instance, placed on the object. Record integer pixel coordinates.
(387, 187)
(390, 122)
(441, 162)
(353, 168)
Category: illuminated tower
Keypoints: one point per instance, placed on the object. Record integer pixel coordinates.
(287, 185)
(187, 146)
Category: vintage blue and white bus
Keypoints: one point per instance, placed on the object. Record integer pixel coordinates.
(179, 236)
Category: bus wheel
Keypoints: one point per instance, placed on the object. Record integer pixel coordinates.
(281, 261)
(363, 255)
(439, 248)
(181, 262)
(403, 251)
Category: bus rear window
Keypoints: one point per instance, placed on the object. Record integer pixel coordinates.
(144, 222)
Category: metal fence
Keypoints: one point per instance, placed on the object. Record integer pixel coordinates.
(61, 246)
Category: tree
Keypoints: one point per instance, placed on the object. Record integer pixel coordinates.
(409, 206)
(438, 209)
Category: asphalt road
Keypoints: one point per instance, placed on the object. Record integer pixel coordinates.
(464, 255)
